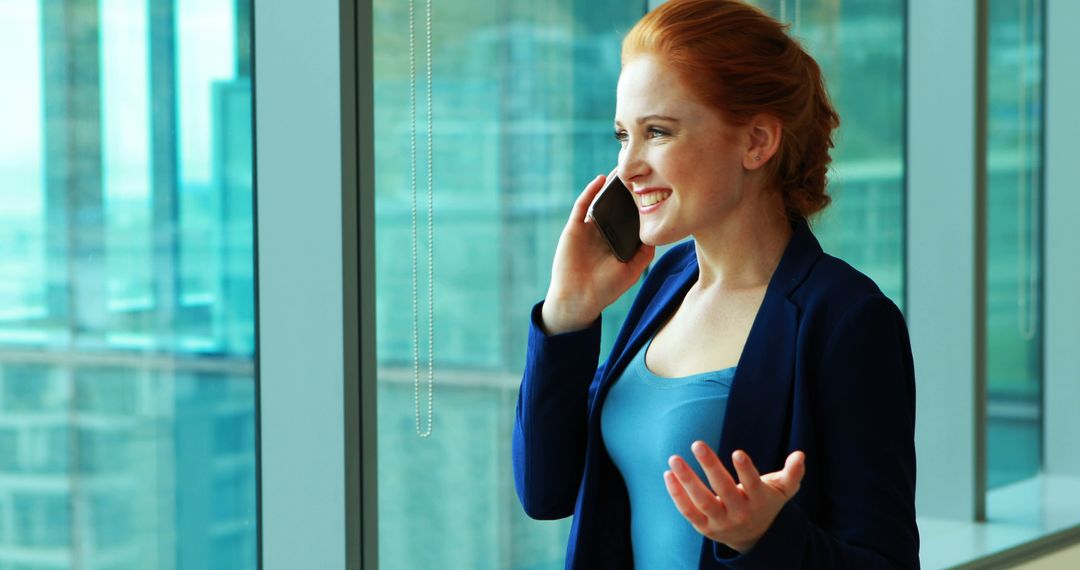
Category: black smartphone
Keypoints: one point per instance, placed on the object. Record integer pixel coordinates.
(615, 214)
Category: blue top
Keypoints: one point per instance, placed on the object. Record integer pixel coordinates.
(645, 419)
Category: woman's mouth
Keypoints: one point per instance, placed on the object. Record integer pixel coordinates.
(653, 198)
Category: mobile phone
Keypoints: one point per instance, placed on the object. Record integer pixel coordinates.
(615, 214)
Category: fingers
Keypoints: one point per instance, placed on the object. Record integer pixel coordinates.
(719, 478)
(754, 501)
(749, 477)
(581, 205)
(753, 484)
(682, 501)
(703, 498)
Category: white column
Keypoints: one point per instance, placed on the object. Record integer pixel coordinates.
(1061, 335)
(300, 293)
(941, 251)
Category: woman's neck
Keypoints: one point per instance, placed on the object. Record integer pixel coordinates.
(743, 251)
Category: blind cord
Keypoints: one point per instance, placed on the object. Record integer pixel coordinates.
(430, 226)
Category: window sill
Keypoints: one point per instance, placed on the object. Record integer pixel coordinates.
(1027, 519)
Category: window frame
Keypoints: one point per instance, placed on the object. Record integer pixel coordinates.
(313, 259)
(946, 150)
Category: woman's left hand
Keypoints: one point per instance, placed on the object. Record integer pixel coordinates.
(735, 515)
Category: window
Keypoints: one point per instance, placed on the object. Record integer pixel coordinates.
(127, 304)
(860, 47)
(1014, 245)
(524, 96)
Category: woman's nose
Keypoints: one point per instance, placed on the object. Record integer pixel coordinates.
(631, 164)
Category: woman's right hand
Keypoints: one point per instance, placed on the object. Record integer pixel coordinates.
(585, 276)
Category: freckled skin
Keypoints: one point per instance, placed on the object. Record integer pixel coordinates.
(699, 157)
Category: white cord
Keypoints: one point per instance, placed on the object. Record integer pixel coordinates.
(431, 234)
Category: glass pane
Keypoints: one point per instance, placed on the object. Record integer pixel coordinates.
(524, 95)
(127, 386)
(1014, 242)
(860, 47)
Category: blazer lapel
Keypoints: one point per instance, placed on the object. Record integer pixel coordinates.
(758, 417)
(667, 299)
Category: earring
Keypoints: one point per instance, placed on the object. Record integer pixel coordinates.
(757, 158)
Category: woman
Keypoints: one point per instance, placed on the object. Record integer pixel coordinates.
(748, 339)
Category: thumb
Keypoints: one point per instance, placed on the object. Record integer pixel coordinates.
(792, 475)
(787, 480)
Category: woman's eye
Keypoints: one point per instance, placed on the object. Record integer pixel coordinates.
(654, 132)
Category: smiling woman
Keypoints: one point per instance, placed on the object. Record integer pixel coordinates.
(694, 160)
(748, 339)
(698, 52)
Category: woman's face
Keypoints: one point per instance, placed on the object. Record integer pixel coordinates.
(681, 159)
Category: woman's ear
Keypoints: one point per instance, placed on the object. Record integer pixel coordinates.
(765, 132)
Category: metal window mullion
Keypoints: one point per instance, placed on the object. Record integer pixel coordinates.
(979, 255)
(358, 260)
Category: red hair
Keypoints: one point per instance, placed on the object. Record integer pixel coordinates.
(741, 62)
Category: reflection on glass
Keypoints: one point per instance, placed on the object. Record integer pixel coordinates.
(524, 98)
(860, 47)
(1014, 250)
(127, 411)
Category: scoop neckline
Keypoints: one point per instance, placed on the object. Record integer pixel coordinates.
(721, 376)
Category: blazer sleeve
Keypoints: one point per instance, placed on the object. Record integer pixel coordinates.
(864, 418)
(550, 427)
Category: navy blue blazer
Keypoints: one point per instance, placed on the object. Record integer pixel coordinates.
(826, 369)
